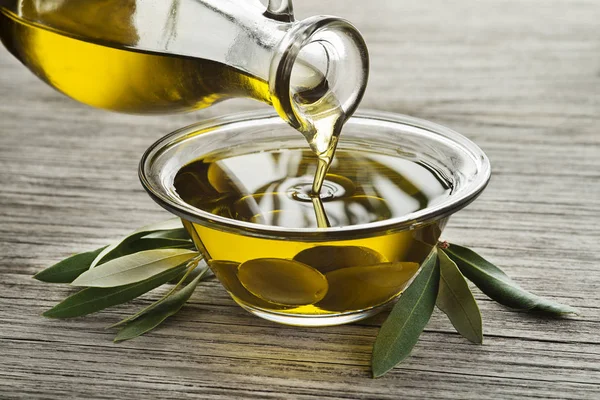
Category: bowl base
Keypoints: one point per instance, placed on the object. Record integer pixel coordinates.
(314, 320)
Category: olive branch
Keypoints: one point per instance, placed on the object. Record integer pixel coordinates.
(164, 253)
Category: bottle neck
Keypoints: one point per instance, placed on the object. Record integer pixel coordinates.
(320, 64)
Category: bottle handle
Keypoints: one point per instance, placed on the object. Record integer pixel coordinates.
(280, 10)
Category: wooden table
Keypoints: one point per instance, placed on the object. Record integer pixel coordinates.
(519, 77)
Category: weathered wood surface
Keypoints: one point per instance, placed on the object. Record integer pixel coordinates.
(520, 77)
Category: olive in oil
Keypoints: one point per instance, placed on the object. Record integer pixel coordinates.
(311, 276)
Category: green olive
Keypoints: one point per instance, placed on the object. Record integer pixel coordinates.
(359, 288)
(226, 273)
(219, 179)
(331, 258)
(284, 282)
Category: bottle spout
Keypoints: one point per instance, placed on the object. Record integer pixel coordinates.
(321, 65)
(280, 10)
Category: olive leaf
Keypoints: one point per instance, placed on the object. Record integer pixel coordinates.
(146, 244)
(91, 300)
(181, 281)
(116, 249)
(134, 267)
(457, 302)
(68, 269)
(155, 316)
(175, 234)
(401, 330)
(161, 253)
(137, 245)
(498, 286)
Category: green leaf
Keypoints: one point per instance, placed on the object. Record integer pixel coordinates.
(134, 267)
(176, 234)
(161, 311)
(68, 269)
(401, 330)
(457, 302)
(193, 270)
(116, 249)
(147, 244)
(91, 300)
(498, 286)
(135, 246)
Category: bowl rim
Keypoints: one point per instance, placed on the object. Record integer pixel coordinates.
(410, 221)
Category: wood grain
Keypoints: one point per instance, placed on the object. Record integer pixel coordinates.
(521, 78)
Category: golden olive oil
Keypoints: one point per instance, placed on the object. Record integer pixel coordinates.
(311, 276)
(98, 65)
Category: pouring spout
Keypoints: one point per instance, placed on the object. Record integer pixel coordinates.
(280, 10)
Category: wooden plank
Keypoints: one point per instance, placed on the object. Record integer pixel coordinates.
(520, 78)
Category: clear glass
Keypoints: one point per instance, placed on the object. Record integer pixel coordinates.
(148, 56)
(404, 241)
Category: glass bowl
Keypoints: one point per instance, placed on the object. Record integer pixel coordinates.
(288, 275)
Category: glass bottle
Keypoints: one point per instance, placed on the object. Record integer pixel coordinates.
(166, 56)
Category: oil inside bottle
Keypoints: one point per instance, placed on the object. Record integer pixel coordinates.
(100, 53)
(134, 56)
